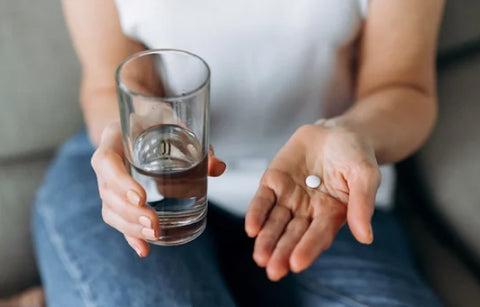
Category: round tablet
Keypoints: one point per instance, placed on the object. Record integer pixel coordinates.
(313, 181)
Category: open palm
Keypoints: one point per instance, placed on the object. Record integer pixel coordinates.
(292, 223)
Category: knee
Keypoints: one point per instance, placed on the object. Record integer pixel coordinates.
(50, 194)
(68, 192)
(69, 180)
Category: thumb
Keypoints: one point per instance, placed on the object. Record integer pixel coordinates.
(361, 205)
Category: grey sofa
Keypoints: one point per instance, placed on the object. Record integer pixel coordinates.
(439, 189)
(39, 109)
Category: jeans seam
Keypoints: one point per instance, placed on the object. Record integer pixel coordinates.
(59, 247)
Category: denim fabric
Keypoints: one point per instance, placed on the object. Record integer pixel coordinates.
(83, 262)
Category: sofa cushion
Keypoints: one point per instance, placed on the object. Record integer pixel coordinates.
(39, 78)
(444, 270)
(18, 182)
(451, 159)
(461, 23)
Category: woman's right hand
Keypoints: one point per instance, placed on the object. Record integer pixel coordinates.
(123, 199)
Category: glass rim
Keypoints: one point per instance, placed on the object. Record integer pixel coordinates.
(140, 54)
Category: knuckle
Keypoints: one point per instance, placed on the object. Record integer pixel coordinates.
(152, 215)
(101, 193)
(372, 170)
(279, 214)
(304, 130)
(120, 208)
(265, 245)
(367, 170)
(263, 238)
(109, 155)
(298, 223)
(273, 180)
(94, 160)
(377, 178)
(105, 215)
(109, 129)
(372, 173)
(130, 213)
(102, 186)
(102, 159)
(291, 227)
(364, 166)
(101, 156)
(268, 177)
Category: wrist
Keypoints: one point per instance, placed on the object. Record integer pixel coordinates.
(342, 124)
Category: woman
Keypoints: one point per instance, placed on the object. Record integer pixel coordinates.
(365, 68)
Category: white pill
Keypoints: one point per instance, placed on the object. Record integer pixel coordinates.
(313, 181)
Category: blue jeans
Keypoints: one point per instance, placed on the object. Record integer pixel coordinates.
(83, 262)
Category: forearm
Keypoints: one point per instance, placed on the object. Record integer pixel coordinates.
(100, 45)
(99, 108)
(396, 121)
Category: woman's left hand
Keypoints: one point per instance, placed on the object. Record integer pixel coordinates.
(292, 223)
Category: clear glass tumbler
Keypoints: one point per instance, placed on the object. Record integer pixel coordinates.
(164, 111)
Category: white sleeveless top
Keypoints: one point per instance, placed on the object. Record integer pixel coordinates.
(276, 65)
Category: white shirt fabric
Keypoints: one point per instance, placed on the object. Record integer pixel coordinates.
(275, 65)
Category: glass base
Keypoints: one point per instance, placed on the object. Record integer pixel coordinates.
(180, 231)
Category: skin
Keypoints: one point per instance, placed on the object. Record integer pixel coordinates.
(394, 112)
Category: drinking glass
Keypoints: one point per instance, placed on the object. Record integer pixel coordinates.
(164, 112)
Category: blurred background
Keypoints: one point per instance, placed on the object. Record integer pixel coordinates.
(438, 190)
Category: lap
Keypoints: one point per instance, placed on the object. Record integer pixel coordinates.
(348, 274)
(381, 274)
(96, 261)
(83, 259)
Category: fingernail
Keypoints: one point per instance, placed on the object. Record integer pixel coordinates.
(145, 221)
(149, 233)
(133, 198)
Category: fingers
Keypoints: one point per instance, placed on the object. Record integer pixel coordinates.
(123, 198)
(260, 206)
(317, 239)
(133, 214)
(107, 162)
(296, 246)
(268, 237)
(361, 203)
(109, 168)
(140, 246)
(329, 218)
(278, 266)
(136, 230)
(216, 167)
(137, 223)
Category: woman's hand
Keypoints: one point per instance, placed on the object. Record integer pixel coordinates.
(292, 223)
(123, 199)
